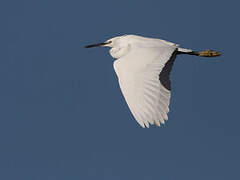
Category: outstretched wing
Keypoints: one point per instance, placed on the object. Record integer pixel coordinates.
(143, 76)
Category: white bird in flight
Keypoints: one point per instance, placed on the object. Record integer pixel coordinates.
(143, 66)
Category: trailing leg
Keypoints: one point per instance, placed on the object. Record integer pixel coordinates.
(206, 53)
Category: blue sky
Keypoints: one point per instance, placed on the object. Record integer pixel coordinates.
(62, 115)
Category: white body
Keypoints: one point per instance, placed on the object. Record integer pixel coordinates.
(138, 63)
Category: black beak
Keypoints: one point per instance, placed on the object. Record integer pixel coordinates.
(97, 45)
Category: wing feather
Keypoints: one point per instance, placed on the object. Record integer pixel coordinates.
(138, 75)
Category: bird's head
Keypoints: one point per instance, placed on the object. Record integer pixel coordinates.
(109, 43)
(119, 46)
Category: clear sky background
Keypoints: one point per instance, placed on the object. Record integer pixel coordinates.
(63, 117)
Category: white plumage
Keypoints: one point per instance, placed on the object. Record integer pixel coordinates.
(139, 62)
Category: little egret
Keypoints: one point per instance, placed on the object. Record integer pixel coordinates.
(143, 66)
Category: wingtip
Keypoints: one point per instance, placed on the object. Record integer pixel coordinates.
(146, 124)
(157, 123)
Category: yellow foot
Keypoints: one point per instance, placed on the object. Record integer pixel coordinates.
(209, 53)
